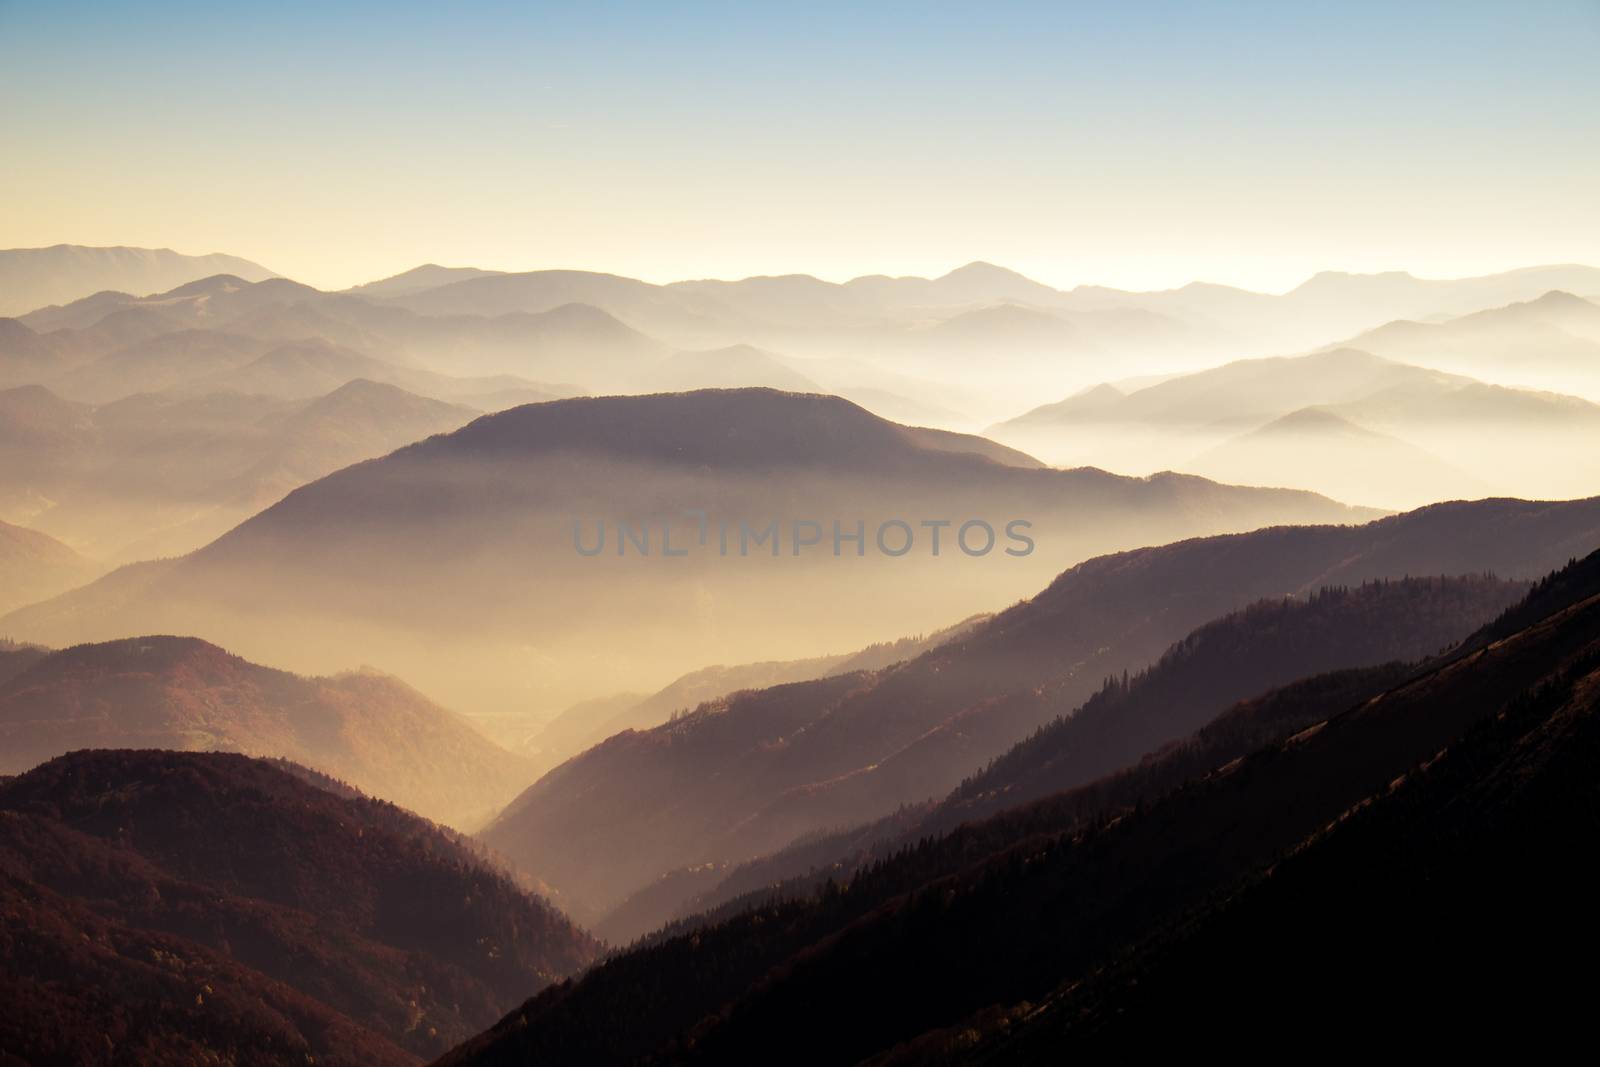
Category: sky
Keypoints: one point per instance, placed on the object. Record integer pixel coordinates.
(1142, 145)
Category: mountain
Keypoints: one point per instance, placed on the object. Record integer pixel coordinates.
(976, 283)
(1317, 449)
(1490, 815)
(34, 277)
(249, 911)
(1001, 340)
(685, 317)
(427, 276)
(1492, 435)
(75, 347)
(485, 526)
(1353, 639)
(1330, 304)
(750, 774)
(182, 693)
(169, 361)
(591, 722)
(1552, 342)
(35, 566)
(159, 474)
(311, 368)
(1242, 394)
(25, 356)
(1412, 815)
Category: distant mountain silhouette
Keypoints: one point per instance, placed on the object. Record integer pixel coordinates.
(427, 276)
(182, 693)
(194, 906)
(1438, 812)
(1551, 342)
(1315, 447)
(481, 522)
(157, 474)
(1493, 436)
(31, 278)
(75, 347)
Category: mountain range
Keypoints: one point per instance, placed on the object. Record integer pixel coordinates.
(32, 278)
(1342, 421)
(497, 606)
(1414, 809)
(604, 332)
(749, 774)
(159, 474)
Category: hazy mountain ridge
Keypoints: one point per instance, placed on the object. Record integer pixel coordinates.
(1449, 436)
(31, 278)
(492, 508)
(35, 566)
(182, 693)
(158, 474)
(1549, 342)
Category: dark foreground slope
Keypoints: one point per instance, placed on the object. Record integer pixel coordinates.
(1456, 906)
(165, 907)
(1005, 911)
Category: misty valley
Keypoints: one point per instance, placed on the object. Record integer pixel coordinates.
(746, 536)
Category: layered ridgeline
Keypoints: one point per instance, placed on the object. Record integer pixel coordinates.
(167, 908)
(457, 560)
(1367, 632)
(1302, 852)
(159, 474)
(592, 721)
(226, 330)
(960, 350)
(1344, 421)
(35, 277)
(1552, 342)
(368, 729)
(748, 775)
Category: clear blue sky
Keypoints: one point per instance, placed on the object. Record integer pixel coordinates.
(1139, 144)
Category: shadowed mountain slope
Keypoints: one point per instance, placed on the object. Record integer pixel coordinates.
(234, 902)
(1132, 720)
(746, 776)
